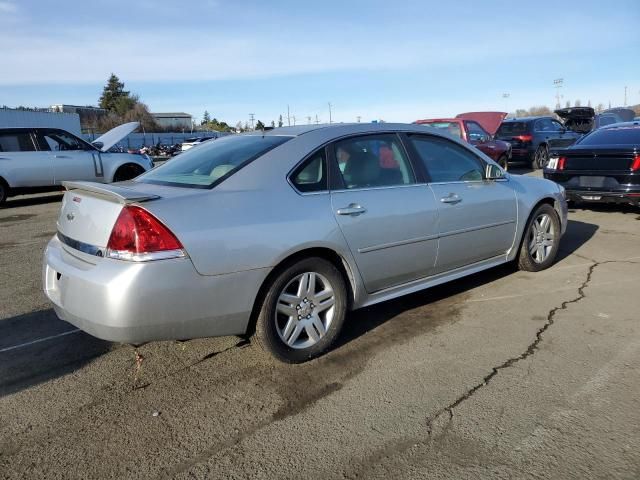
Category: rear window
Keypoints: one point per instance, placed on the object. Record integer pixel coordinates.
(452, 128)
(613, 136)
(16, 142)
(212, 162)
(512, 128)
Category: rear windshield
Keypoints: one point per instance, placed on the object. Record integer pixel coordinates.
(613, 136)
(512, 128)
(452, 128)
(212, 162)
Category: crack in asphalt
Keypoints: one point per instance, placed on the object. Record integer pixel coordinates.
(531, 349)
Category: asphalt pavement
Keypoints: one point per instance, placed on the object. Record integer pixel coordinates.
(504, 374)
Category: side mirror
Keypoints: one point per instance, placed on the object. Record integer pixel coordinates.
(494, 172)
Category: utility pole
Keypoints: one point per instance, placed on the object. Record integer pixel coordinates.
(288, 116)
(625, 96)
(251, 117)
(317, 121)
(329, 103)
(294, 120)
(557, 83)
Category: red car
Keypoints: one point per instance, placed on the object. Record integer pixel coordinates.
(478, 129)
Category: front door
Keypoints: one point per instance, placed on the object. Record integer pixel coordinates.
(72, 159)
(477, 217)
(387, 218)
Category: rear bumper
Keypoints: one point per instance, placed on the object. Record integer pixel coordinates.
(140, 302)
(603, 197)
(521, 154)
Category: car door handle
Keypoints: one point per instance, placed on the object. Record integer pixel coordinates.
(353, 209)
(61, 156)
(451, 198)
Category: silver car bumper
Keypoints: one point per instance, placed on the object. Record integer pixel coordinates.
(139, 302)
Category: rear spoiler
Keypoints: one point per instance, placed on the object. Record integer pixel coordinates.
(111, 192)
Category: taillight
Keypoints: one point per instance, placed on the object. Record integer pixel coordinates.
(635, 166)
(524, 138)
(139, 236)
(561, 162)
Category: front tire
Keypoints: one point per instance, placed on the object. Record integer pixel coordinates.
(127, 172)
(303, 311)
(541, 240)
(503, 162)
(4, 192)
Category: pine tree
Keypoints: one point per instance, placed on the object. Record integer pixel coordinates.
(259, 125)
(113, 94)
(206, 118)
(273, 124)
(280, 123)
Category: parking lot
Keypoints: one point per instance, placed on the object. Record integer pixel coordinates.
(504, 374)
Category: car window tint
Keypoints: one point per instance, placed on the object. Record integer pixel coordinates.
(373, 161)
(476, 132)
(613, 136)
(447, 161)
(62, 141)
(452, 128)
(16, 142)
(512, 128)
(212, 162)
(311, 176)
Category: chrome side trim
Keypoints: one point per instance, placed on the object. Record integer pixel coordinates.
(472, 229)
(81, 246)
(398, 243)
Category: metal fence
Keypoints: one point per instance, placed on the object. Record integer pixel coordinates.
(139, 140)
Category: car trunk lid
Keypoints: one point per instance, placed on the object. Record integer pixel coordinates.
(609, 159)
(578, 119)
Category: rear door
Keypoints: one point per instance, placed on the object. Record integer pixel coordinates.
(554, 133)
(388, 218)
(477, 217)
(21, 162)
(72, 158)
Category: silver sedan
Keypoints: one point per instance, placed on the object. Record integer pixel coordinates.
(281, 233)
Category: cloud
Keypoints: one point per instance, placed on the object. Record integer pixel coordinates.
(8, 7)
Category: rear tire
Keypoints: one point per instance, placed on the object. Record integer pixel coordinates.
(540, 158)
(127, 172)
(303, 311)
(541, 240)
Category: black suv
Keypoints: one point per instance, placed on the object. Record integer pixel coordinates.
(531, 138)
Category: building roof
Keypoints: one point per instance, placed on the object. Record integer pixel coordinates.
(172, 115)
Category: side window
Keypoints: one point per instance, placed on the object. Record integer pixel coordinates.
(476, 132)
(57, 140)
(16, 142)
(556, 126)
(373, 161)
(544, 125)
(311, 176)
(446, 161)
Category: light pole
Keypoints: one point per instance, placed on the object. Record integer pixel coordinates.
(506, 101)
(557, 83)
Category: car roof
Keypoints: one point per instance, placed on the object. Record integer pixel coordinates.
(337, 129)
(527, 119)
(634, 124)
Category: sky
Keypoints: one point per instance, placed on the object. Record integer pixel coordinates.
(377, 60)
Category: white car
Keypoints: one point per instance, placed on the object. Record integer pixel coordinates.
(40, 159)
(193, 142)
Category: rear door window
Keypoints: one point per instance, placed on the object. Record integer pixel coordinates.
(311, 176)
(16, 142)
(373, 161)
(60, 141)
(476, 132)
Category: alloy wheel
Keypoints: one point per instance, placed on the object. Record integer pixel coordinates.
(305, 310)
(541, 238)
